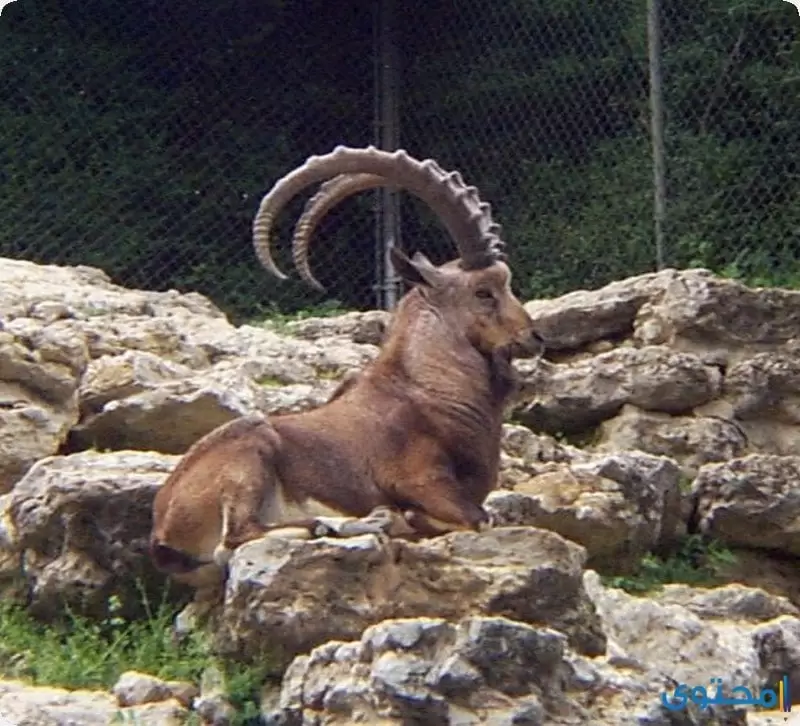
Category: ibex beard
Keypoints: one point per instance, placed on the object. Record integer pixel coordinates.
(412, 443)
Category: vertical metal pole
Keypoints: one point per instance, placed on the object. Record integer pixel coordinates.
(387, 136)
(657, 127)
(377, 285)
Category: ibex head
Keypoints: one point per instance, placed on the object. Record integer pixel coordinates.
(473, 293)
(479, 302)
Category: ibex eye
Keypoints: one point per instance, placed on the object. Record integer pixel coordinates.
(483, 294)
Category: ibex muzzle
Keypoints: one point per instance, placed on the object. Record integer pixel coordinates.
(416, 434)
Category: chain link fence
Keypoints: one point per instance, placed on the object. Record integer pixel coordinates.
(543, 106)
(140, 138)
(732, 102)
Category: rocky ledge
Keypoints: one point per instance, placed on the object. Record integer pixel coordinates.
(667, 405)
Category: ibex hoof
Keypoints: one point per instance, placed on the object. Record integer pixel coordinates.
(378, 522)
(486, 524)
(222, 556)
(358, 527)
(337, 527)
(325, 529)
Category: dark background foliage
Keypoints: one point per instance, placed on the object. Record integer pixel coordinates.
(140, 137)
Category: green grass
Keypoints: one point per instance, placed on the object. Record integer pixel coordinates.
(579, 439)
(270, 382)
(278, 321)
(80, 653)
(696, 561)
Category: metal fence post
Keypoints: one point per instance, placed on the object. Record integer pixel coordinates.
(387, 132)
(657, 127)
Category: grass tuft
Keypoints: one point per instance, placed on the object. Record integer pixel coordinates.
(696, 561)
(279, 321)
(80, 653)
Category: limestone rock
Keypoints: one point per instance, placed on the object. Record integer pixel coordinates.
(286, 597)
(112, 377)
(771, 437)
(30, 429)
(617, 506)
(48, 291)
(767, 385)
(213, 705)
(105, 318)
(617, 691)
(763, 570)
(40, 366)
(428, 670)
(691, 440)
(188, 329)
(169, 416)
(163, 368)
(481, 670)
(45, 358)
(10, 559)
(573, 320)
(717, 319)
(706, 640)
(297, 397)
(576, 395)
(367, 327)
(140, 401)
(175, 339)
(500, 627)
(525, 454)
(135, 689)
(762, 394)
(80, 526)
(295, 360)
(778, 645)
(753, 501)
(703, 349)
(533, 449)
(163, 713)
(729, 602)
(26, 705)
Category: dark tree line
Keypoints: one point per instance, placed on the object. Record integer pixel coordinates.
(140, 138)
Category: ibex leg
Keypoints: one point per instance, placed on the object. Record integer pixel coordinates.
(383, 521)
(440, 507)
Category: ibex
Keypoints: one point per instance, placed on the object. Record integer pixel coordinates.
(413, 440)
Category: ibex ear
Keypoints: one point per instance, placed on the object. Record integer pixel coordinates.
(418, 270)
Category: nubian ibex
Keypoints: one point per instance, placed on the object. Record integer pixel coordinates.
(412, 443)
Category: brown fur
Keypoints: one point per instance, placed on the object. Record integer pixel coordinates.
(417, 431)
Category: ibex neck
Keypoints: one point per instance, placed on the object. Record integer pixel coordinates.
(437, 359)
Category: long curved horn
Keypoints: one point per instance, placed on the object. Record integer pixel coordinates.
(467, 218)
(326, 198)
(337, 190)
